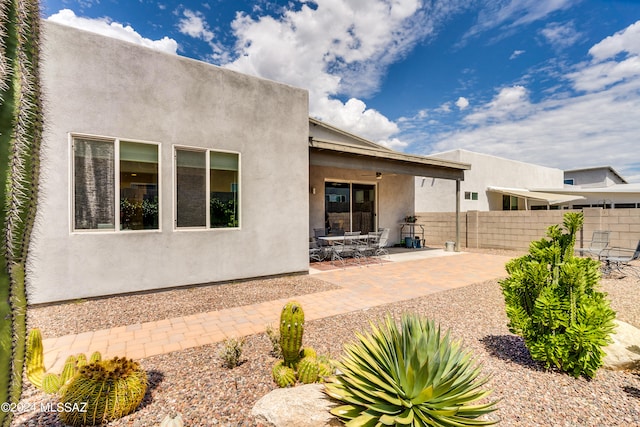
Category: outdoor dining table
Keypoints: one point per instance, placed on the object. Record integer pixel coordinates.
(345, 237)
(356, 245)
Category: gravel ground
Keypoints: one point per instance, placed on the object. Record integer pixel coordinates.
(194, 383)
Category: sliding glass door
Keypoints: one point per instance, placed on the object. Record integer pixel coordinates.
(363, 207)
(349, 207)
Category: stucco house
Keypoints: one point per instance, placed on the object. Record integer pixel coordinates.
(601, 187)
(600, 176)
(161, 171)
(493, 183)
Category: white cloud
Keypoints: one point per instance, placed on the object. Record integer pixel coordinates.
(605, 69)
(194, 24)
(116, 30)
(513, 13)
(559, 35)
(462, 103)
(337, 48)
(516, 53)
(627, 40)
(511, 103)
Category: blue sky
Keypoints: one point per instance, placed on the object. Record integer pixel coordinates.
(552, 82)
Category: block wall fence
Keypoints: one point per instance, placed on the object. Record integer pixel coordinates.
(516, 229)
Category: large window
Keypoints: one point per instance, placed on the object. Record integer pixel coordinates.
(207, 178)
(115, 184)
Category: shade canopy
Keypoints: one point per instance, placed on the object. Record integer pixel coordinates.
(550, 198)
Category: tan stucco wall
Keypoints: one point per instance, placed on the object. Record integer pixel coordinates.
(106, 87)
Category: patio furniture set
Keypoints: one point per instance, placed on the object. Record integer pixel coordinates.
(352, 244)
(613, 259)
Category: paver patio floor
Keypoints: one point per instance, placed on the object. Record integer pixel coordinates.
(407, 277)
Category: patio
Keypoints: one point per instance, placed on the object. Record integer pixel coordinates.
(406, 275)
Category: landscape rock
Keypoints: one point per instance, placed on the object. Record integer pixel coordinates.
(620, 354)
(301, 406)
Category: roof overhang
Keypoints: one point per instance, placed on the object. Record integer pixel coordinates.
(550, 198)
(343, 155)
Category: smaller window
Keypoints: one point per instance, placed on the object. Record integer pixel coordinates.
(509, 203)
(467, 195)
(569, 181)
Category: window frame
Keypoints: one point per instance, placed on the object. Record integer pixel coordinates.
(116, 170)
(207, 152)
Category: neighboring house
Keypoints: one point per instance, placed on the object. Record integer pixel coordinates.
(493, 183)
(602, 176)
(160, 171)
(601, 187)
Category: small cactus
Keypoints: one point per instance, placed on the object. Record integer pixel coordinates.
(170, 421)
(51, 383)
(325, 367)
(308, 370)
(308, 352)
(231, 352)
(35, 358)
(283, 375)
(291, 330)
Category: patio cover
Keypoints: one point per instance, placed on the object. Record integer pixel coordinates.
(351, 156)
(550, 198)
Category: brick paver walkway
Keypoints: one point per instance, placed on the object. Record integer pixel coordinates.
(360, 288)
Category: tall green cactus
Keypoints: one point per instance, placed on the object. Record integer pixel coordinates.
(20, 136)
(291, 330)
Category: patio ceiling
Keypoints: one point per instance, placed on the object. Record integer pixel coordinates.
(350, 156)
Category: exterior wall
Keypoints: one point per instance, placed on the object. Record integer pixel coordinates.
(101, 86)
(596, 177)
(434, 195)
(516, 229)
(395, 197)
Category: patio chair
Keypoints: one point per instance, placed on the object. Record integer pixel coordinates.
(341, 249)
(367, 246)
(599, 242)
(316, 253)
(619, 260)
(381, 247)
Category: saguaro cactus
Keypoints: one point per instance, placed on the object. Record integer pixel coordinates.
(20, 136)
(291, 330)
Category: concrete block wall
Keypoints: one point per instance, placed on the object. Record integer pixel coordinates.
(516, 229)
(624, 225)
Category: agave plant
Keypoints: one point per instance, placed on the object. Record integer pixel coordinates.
(410, 375)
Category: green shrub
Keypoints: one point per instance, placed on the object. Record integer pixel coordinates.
(411, 376)
(552, 302)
